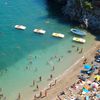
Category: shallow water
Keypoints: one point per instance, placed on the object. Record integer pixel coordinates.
(24, 55)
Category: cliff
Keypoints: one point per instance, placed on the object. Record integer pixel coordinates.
(85, 12)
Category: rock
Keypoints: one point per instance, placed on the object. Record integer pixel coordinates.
(73, 10)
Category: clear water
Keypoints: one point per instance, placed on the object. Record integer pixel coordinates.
(18, 65)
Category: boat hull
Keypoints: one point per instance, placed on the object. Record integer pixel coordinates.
(78, 32)
(20, 27)
(80, 40)
(59, 35)
(40, 31)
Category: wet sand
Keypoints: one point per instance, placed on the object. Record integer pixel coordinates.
(70, 75)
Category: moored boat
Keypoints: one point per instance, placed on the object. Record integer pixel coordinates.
(20, 27)
(41, 31)
(78, 32)
(58, 35)
(80, 40)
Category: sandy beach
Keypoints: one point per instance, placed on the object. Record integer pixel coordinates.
(70, 75)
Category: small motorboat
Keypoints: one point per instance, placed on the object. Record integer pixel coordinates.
(80, 40)
(78, 32)
(20, 27)
(58, 35)
(39, 31)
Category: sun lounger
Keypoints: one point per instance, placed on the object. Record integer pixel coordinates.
(89, 72)
(83, 71)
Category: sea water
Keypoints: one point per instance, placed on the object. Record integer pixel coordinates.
(25, 55)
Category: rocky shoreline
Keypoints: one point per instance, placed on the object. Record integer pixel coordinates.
(74, 10)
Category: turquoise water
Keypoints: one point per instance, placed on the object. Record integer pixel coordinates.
(24, 55)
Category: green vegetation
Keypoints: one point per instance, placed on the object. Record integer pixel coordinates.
(88, 5)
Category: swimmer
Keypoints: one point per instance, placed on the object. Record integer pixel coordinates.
(69, 51)
(30, 62)
(35, 57)
(73, 46)
(53, 68)
(26, 67)
(47, 22)
(51, 76)
(19, 96)
(81, 50)
(77, 48)
(37, 87)
(33, 82)
(59, 59)
(40, 78)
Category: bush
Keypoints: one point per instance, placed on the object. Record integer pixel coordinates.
(88, 5)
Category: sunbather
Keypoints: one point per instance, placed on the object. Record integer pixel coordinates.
(82, 78)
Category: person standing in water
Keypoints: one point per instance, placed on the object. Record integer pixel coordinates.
(51, 76)
(77, 48)
(37, 87)
(81, 50)
(40, 78)
(19, 96)
(33, 82)
(53, 68)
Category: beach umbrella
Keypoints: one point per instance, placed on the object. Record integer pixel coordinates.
(84, 91)
(87, 66)
(86, 87)
(97, 77)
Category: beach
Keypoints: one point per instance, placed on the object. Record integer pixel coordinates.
(70, 75)
(30, 61)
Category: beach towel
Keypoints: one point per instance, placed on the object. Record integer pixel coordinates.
(94, 85)
(87, 98)
(98, 96)
(97, 77)
(83, 71)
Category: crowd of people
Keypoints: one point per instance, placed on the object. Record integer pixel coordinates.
(87, 85)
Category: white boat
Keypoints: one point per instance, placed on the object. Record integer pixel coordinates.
(80, 40)
(39, 31)
(58, 35)
(20, 27)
